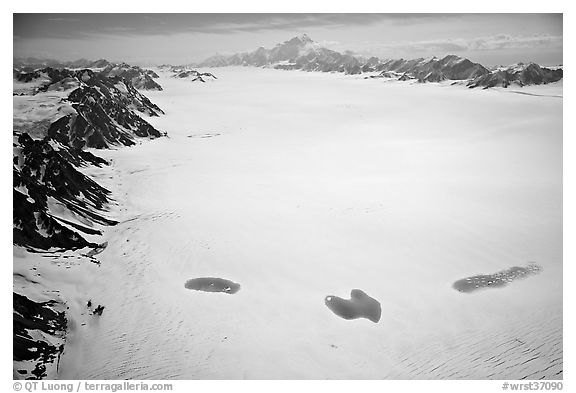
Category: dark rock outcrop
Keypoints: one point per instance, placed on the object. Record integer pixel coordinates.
(105, 114)
(139, 78)
(49, 319)
(450, 67)
(195, 75)
(44, 169)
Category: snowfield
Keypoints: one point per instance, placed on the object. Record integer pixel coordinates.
(299, 186)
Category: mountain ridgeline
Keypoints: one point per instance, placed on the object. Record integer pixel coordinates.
(59, 210)
(299, 53)
(186, 73)
(30, 64)
(106, 114)
(106, 108)
(302, 53)
(140, 78)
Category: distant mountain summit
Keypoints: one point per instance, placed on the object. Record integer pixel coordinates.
(298, 53)
(302, 53)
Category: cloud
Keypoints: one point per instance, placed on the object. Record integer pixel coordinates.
(487, 43)
(41, 25)
(62, 19)
(505, 41)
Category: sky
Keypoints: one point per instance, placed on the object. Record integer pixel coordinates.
(152, 39)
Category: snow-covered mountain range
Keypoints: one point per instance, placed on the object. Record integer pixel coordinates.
(520, 74)
(140, 78)
(33, 63)
(298, 53)
(187, 72)
(105, 108)
(302, 53)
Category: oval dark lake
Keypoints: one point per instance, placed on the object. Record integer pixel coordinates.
(212, 284)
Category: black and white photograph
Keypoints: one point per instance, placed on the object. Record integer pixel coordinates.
(288, 196)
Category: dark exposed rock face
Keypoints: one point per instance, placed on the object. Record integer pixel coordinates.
(186, 74)
(45, 169)
(105, 114)
(327, 60)
(450, 67)
(46, 317)
(405, 77)
(195, 75)
(106, 108)
(520, 74)
(25, 76)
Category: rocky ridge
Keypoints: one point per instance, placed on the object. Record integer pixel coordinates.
(105, 108)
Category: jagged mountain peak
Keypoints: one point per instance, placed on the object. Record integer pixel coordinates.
(302, 39)
(520, 74)
(298, 44)
(452, 57)
(432, 69)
